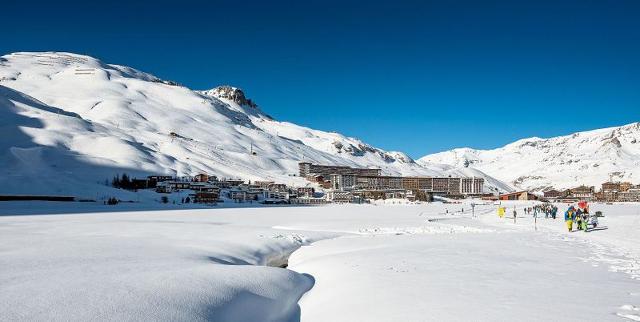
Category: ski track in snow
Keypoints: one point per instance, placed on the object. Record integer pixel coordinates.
(630, 312)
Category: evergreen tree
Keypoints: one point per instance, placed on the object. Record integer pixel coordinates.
(115, 182)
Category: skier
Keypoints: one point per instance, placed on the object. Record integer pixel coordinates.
(554, 212)
(501, 212)
(547, 211)
(585, 219)
(578, 218)
(568, 218)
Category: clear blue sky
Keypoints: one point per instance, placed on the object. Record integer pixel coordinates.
(414, 76)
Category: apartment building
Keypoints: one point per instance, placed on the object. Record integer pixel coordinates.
(472, 186)
(611, 187)
(582, 192)
(308, 169)
(342, 182)
(555, 194)
(625, 186)
(339, 196)
(379, 182)
(440, 185)
(454, 186)
(305, 191)
(630, 195)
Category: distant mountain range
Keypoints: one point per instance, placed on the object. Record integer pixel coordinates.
(70, 122)
(589, 158)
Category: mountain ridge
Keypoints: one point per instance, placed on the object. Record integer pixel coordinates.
(586, 157)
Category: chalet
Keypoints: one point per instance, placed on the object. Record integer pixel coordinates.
(254, 193)
(630, 195)
(305, 191)
(263, 184)
(582, 192)
(171, 186)
(160, 178)
(276, 195)
(489, 197)
(611, 187)
(618, 191)
(278, 187)
(396, 194)
(234, 182)
(316, 179)
(203, 186)
(201, 177)
(309, 201)
(625, 186)
(520, 195)
(206, 197)
(238, 195)
(339, 196)
(152, 181)
(228, 183)
(139, 183)
(555, 194)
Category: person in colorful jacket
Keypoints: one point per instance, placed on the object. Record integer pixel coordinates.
(568, 218)
(577, 217)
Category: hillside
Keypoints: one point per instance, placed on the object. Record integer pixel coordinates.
(589, 158)
(70, 122)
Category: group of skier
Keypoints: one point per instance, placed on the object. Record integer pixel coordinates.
(548, 209)
(580, 217)
(577, 216)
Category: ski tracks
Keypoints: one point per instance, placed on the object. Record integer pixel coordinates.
(618, 261)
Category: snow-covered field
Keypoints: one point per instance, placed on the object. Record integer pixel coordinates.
(391, 262)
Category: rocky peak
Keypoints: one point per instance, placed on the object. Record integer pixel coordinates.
(231, 93)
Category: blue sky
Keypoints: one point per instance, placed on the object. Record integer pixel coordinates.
(414, 76)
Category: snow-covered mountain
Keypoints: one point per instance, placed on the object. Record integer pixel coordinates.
(589, 158)
(69, 122)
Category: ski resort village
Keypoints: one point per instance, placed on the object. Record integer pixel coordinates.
(327, 184)
(127, 197)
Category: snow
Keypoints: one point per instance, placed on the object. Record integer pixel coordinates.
(560, 162)
(459, 268)
(382, 262)
(70, 122)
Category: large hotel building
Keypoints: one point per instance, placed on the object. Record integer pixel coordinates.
(347, 178)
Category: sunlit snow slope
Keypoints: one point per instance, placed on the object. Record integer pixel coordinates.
(589, 158)
(70, 122)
